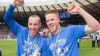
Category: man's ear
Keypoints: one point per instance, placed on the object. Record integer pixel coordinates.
(59, 20)
(40, 25)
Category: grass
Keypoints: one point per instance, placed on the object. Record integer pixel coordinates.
(9, 48)
(87, 50)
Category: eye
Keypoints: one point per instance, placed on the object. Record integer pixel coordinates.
(47, 20)
(30, 23)
(35, 24)
(52, 19)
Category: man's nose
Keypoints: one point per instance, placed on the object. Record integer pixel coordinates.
(33, 26)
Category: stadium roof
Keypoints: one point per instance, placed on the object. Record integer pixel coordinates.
(35, 2)
(23, 12)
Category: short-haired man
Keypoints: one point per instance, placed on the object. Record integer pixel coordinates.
(29, 42)
(63, 40)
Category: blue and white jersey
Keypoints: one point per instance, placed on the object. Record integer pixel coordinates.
(64, 43)
(25, 46)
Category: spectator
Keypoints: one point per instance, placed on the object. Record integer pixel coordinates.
(93, 37)
(98, 39)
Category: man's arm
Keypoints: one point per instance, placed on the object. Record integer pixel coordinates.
(92, 24)
(13, 25)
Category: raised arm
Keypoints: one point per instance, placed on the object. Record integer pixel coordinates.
(13, 25)
(92, 24)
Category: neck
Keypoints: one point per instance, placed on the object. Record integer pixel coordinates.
(57, 30)
(33, 34)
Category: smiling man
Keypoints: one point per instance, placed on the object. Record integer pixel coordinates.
(63, 40)
(29, 42)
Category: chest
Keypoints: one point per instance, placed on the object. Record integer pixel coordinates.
(59, 41)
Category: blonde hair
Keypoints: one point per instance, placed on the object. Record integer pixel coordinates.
(51, 12)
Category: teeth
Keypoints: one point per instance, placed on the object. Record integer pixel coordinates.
(33, 29)
(51, 25)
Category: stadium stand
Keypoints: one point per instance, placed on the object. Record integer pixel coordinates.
(22, 13)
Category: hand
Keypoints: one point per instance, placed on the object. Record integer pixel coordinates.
(73, 8)
(18, 2)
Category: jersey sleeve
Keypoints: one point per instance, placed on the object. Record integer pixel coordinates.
(13, 25)
(78, 31)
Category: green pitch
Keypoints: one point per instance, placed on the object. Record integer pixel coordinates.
(87, 50)
(9, 48)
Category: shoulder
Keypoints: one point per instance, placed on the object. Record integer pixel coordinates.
(41, 38)
(75, 26)
(24, 29)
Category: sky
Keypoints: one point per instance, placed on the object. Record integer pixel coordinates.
(24, 0)
(35, 2)
(32, 0)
